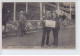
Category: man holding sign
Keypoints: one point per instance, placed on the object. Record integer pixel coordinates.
(46, 30)
(50, 21)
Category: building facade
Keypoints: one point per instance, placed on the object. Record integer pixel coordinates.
(34, 12)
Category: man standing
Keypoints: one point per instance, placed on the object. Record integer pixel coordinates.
(63, 19)
(46, 30)
(56, 29)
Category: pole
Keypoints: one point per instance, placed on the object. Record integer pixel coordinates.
(26, 7)
(44, 8)
(70, 10)
(14, 11)
(40, 11)
(58, 9)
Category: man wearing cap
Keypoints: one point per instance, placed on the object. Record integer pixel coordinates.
(46, 30)
(56, 29)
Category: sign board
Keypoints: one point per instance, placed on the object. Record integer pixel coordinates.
(50, 23)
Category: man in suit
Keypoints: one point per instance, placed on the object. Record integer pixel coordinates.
(56, 29)
(46, 30)
(64, 19)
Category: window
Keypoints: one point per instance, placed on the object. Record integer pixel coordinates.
(20, 7)
(33, 11)
(8, 12)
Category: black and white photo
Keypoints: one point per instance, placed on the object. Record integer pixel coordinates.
(38, 25)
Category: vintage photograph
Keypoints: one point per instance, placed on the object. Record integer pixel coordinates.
(38, 25)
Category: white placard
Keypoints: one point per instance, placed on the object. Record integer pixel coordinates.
(50, 23)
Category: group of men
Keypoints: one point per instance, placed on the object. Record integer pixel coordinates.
(46, 30)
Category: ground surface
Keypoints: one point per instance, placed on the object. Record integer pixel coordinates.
(66, 40)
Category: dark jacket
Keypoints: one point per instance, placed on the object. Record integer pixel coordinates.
(43, 23)
(63, 17)
(57, 27)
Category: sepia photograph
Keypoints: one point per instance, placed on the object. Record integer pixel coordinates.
(38, 25)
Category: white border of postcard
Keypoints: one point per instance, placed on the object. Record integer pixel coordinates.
(44, 51)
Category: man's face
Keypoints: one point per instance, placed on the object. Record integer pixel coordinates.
(21, 13)
(48, 13)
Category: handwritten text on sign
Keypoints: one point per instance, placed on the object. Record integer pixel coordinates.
(50, 23)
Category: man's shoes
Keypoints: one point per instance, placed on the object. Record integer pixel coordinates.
(42, 45)
(55, 44)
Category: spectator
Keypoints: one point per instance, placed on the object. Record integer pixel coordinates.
(64, 20)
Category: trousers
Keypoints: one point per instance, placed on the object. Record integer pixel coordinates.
(55, 35)
(46, 33)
